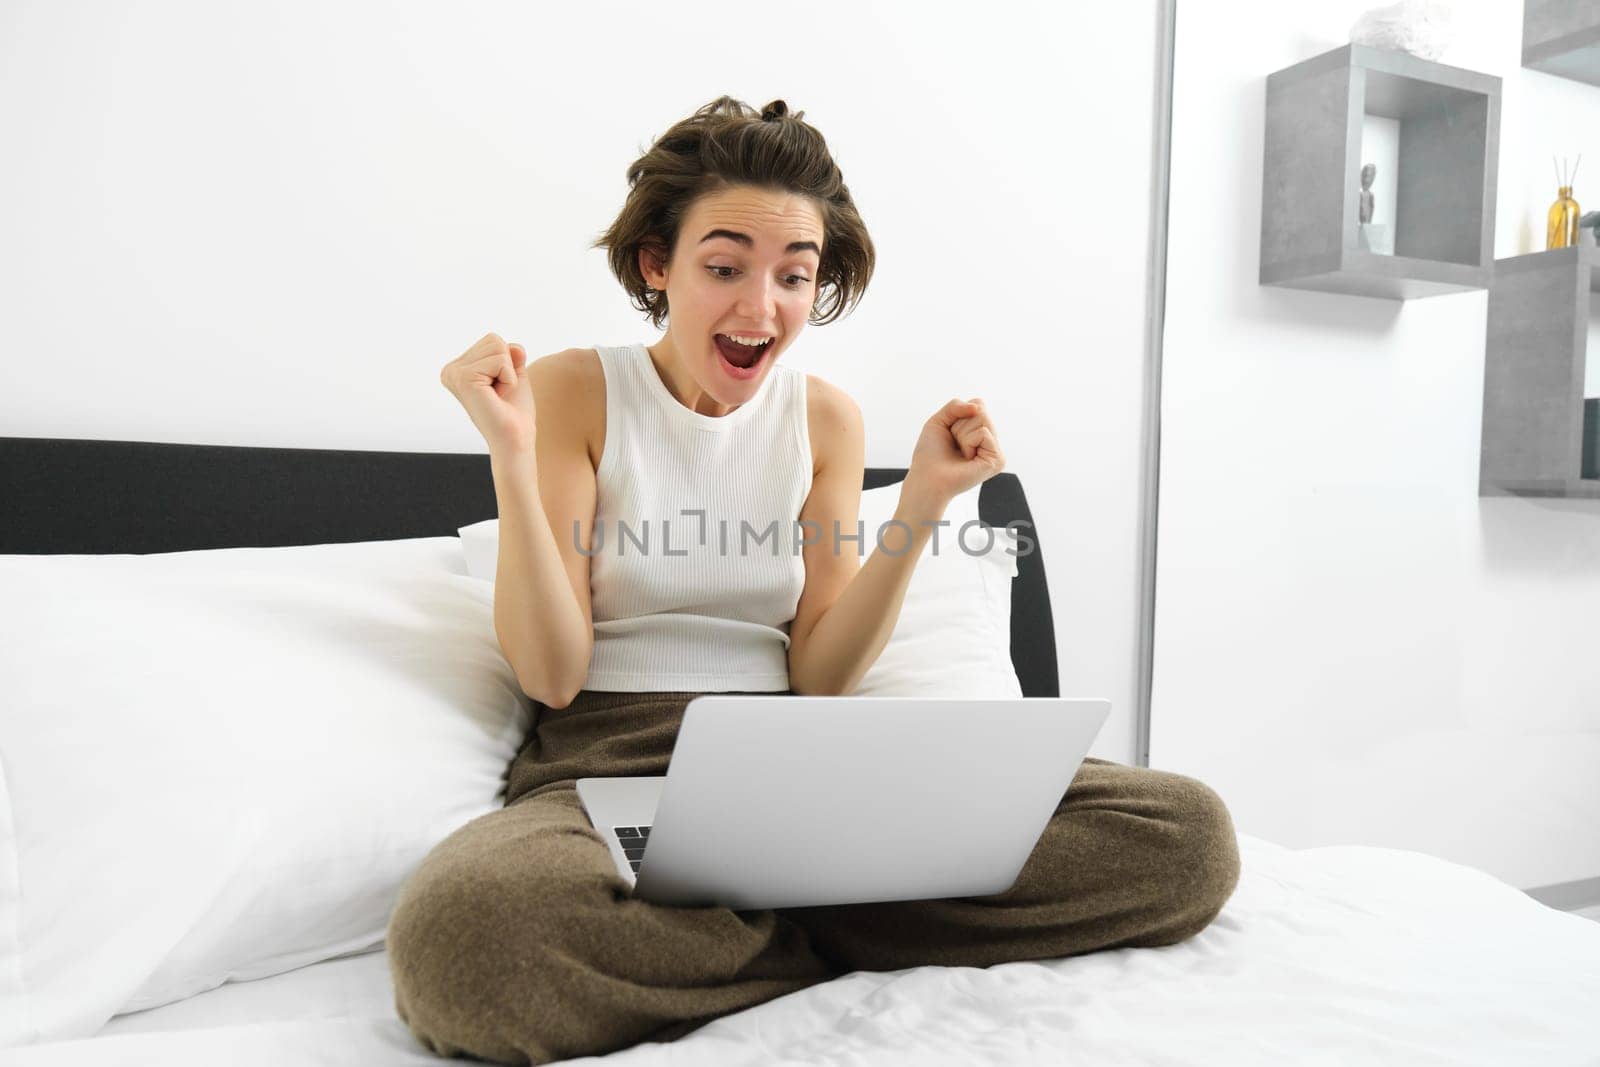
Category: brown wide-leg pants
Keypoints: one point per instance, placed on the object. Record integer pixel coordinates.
(516, 941)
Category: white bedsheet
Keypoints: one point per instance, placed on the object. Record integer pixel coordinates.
(1323, 956)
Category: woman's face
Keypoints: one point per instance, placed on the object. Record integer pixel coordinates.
(745, 265)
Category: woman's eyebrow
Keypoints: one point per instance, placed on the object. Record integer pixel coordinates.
(744, 239)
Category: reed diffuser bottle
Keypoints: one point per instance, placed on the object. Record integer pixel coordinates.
(1562, 231)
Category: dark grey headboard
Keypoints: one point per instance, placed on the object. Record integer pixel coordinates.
(79, 496)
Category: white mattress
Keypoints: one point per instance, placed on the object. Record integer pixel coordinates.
(1323, 956)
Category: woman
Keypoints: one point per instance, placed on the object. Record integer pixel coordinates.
(516, 940)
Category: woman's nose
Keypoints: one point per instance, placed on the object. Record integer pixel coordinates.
(758, 298)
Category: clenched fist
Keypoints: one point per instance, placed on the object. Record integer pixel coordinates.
(489, 381)
(957, 450)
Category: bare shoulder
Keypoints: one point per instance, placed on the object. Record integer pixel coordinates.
(569, 392)
(834, 421)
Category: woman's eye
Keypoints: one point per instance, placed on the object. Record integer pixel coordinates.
(793, 281)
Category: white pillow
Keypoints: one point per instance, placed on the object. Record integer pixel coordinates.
(953, 635)
(480, 545)
(223, 764)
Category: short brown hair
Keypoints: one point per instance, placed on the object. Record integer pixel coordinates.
(726, 143)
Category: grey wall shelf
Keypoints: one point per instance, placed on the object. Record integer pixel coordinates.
(1535, 357)
(1562, 37)
(1448, 154)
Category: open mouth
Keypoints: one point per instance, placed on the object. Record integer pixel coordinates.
(741, 357)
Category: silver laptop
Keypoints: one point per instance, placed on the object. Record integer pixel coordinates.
(791, 801)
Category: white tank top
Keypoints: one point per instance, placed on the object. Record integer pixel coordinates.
(685, 602)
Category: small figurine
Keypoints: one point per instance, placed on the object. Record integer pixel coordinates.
(1368, 172)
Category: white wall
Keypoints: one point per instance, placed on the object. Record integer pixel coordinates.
(1351, 645)
(272, 224)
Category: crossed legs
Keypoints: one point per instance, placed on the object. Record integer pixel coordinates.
(516, 940)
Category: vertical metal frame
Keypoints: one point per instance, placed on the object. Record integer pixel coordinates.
(1155, 320)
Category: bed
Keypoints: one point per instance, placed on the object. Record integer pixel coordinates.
(161, 906)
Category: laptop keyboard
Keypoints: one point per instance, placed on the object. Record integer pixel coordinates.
(632, 839)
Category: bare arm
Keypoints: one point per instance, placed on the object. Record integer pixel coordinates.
(848, 609)
(543, 631)
(846, 616)
(848, 637)
(542, 610)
